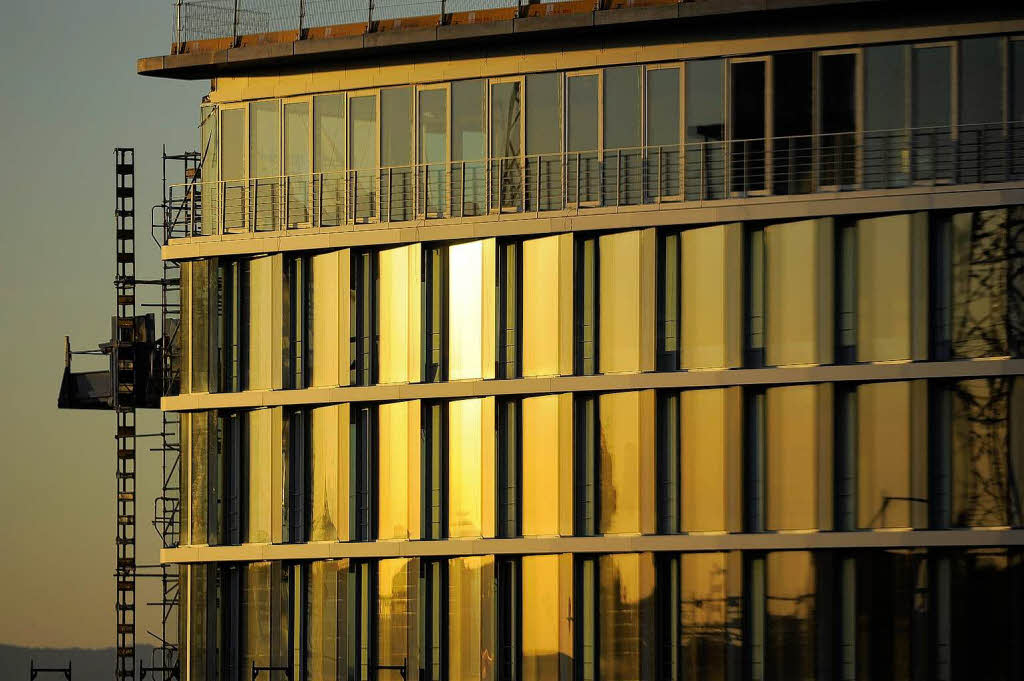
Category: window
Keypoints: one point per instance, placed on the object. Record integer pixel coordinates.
(586, 307)
(506, 146)
(797, 457)
(229, 479)
(586, 600)
(363, 472)
(231, 325)
(846, 426)
(298, 299)
(509, 312)
(543, 141)
(265, 202)
(433, 150)
(931, 113)
(668, 463)
(668, 649)
(435, 470)
(623, 135)
(232, 168)
(466, 428)
(586, 443)
(361, 620)
(435, 312)
(793, 122)
(838, 111)
(749, 126)
(846, 291)
(790, 615)
(294, 599)
(669, 300)
(433, 595)
(583, 173)
(709, 602)
(755, 276)
(209, 140)
(980, 140)
(1017, 102)
(509, 618)
(363, 156)
(395, 619)
(298, 476)
(755, 427)
(509, 467)
(327, 588)
(329, 154)
(364, 319)
(469, 148)
(258, 595)
(396, 153)
(885, 116)
(663, 160)
(298, 185)
(227, 608)
(705, 129)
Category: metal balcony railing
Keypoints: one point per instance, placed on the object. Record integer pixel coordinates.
(577, 182)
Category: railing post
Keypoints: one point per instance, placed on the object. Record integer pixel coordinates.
(234, 24)
(177, 24)
(302, 16)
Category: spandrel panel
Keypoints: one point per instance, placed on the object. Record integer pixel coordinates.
(542, 456)
(471, 649)
(465, 317)
(324, 642)
(619, 466)
(887, 455)
(710, 459)
(394, 314)
(799, 292)
(794, 457)
(260, 471)
(395, 613)
(712, 269)
(625, 589)
(885, 289)
(711, 616)
(987, 452)
(789, 616)
(465, 468)
(257, 605)
(620, 314)
(542, 657)
(326, 434)
(395, 449)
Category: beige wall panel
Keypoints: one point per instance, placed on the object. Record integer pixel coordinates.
(620, 302)
(471, 310)
(330, 331)
(798, 467)
(547, 310)
(471, 468)
(547, 651)
(627, 462)
(396, 450)
(547, 465)
(326, 435)
(799, 292)
(711, 451)
(400, 314)
(185, 329)
(471, 604)
(259, 518)
(712, 297)
(892, 288)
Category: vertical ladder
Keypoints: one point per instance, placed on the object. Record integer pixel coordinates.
(124, 407)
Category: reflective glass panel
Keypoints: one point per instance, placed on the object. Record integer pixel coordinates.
(622, 105)
(395, 613)
(465, 504)
(471, 651)
(794, 458)
(789, 616)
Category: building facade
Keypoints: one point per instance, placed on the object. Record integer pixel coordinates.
(649, 343)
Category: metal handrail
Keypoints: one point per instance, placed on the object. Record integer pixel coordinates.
(572, 182)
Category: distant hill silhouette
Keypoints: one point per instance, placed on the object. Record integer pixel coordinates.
(87, 664)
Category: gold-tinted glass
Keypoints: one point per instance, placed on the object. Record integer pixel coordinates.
(396, 448)
(542, 328)
(326, 437)
(799, 433)
(789, 616)
(710, 451)
(395, 613)
(465, 468)
(323, 641)
(987, 452)
(625, 592)
(466, 282)
(199, 458)
(471, 639)
(326, 319)
(619, 462)
(891, 281)
(547, 465)
(257, 604)
(710, 591)
(799, 292)
(199, 341)
(712, 275)
(891, 454)
(620, 309)
(541, 604)
(399, 308)
(262, 330)
(260, 494)
(197, 600)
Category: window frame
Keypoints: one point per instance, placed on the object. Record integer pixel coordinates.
(769, 124)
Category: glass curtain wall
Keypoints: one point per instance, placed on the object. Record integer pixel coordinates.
(432, 152)
(329, 154)
(298, 189)
(543, 141)
(705, 170)
(622, 115)
(583, 174)
(662, 162)
(266, 200)
(396, 176)
(506, 167)
(363, 181)
(469, 148)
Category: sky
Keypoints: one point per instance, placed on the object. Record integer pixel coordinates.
(70, 94)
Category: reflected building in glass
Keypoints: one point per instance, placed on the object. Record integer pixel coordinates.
(540, 343)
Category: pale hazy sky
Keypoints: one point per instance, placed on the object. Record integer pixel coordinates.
(68, 95)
